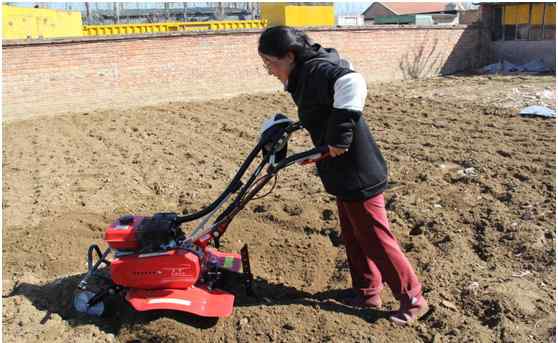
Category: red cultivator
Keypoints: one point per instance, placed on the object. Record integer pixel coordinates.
(156, 266)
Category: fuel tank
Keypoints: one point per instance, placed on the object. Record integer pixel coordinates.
(121, 234)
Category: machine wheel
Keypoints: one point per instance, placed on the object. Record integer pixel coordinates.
(81, 299)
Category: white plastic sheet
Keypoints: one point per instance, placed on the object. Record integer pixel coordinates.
(537, 111)
(534, 66)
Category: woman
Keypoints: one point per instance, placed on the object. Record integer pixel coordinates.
(330, 98)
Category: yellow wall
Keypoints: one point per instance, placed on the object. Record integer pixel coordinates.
(320, 14)
(519, 14)
(510, 15)
(523, 14)
(23, 23)
(550, 14)
(537, 14)
(274, 13)
(310, 15)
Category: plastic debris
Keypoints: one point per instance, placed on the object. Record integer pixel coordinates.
(449, 305)
(466, 174)
(537, 111)
(473, 287)
(506, 67)
(535, 66)
(521, 274)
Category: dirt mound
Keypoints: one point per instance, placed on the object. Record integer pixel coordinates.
(471, 198)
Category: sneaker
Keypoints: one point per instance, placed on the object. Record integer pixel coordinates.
(411, 310)
(364, 302)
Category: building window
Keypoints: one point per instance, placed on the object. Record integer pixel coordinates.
(535, 32)
(509, 32)
(522, 32)
(534, 21)
(497, 28)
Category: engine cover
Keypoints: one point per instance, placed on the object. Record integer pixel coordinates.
(175, 268)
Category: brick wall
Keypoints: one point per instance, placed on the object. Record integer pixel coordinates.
(101, 73)
(469, 17)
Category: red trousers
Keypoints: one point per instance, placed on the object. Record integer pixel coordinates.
(373, 252)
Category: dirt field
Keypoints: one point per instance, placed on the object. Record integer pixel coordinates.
(471, 198)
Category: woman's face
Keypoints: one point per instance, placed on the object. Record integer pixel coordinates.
(279, 67)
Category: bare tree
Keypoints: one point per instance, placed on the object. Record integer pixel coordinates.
(419, 62)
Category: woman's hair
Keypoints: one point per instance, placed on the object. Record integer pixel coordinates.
(277, 41)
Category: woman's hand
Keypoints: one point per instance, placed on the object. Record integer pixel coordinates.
(334, 152)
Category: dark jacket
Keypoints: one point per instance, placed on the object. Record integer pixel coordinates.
(361, 172)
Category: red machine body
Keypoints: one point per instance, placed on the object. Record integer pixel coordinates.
(196, 300)
(167, 279)
(175, 268)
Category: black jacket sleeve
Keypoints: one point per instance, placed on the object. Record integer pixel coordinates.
(340, 127)
(349, 94)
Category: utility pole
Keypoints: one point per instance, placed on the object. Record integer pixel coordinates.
(121, 12)
(185, 11)
(87, 14)
(116, 13)
(167, 15)
(220, 11)
(254, 9)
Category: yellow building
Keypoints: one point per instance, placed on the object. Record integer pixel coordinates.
(24, 23)
(521, 21)
(298, 14)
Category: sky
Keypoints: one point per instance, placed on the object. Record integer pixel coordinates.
(341, 8)
(345, 8)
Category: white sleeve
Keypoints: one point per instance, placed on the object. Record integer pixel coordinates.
(349, 92)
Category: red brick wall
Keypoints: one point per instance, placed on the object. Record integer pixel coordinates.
(90, 74)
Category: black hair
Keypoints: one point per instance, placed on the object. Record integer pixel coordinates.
(277, 41)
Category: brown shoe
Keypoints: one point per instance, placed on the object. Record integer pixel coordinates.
(411, 310)
(364, 302)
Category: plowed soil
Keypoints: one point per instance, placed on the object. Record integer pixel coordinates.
(471, 199)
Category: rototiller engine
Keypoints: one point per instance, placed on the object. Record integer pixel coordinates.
(157, 267)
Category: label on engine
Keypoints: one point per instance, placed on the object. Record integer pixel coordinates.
(180, 272)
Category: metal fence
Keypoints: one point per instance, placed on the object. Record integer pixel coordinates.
(102, 13)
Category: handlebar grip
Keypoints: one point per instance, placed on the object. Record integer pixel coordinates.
(324, 149)
(321, 153)
(305, 157)
(294, 127)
